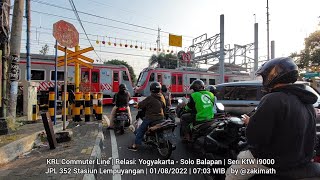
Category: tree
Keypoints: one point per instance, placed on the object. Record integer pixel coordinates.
(169, 61)
(44, 50)
(119, 62)
(311, 53)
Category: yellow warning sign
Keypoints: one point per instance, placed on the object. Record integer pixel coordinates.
(175, 40)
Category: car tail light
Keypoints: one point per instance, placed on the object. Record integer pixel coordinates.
(122, 108)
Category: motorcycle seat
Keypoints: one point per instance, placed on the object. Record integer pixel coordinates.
(161, 125)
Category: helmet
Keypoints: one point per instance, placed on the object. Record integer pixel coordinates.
(164, 88)
(122, 87)
(212, 89)
(278, 70)
(197, 85)
(155, 87)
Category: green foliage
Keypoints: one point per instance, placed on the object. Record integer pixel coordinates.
(44, 50)
(168, 61)
(120, 62)
(310, 55)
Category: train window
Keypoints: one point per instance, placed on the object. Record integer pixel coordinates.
(85, 76)
(204, 80)
(115, 76)
(173, 80)
(212, 81)
(60, 75)
(38, 75)
(95, 77)
(151, 77)
(142, 78)
(125, 76)
(192, 79)
(179, 80)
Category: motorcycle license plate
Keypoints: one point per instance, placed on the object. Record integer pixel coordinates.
(168, 135)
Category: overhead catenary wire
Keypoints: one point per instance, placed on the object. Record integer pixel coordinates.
(90, 14)
(78, 17)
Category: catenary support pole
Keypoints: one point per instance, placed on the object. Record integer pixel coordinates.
(221, 56)
(256, 46)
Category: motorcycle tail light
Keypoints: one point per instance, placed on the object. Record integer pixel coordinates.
(122, 109)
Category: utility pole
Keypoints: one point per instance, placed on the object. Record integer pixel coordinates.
(4, 45)
(158, 41)
(28, 40)
(268, 30)
(15, 44)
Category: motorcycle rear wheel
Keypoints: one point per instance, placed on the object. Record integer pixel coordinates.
(165, 149)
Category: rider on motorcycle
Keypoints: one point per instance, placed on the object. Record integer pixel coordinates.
(120, 99)
(200, 107)
(154, 106)
(213, 90)
(167, 97)
(283, 127)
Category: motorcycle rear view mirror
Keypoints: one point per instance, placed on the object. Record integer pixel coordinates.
(220, 106)
(132, 102)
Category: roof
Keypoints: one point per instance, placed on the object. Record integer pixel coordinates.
(254, 82)
(228, 67)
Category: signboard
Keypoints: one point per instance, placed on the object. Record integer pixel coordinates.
(175, 40)
(66, 34)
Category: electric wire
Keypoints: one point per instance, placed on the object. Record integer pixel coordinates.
(89, 14)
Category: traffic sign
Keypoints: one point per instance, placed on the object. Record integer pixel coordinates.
(75, 56)
(175, 40)
(66, 34)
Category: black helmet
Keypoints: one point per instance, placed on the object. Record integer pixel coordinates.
(278, 70)
(197, 85)
(155, 87)
(212, 89)
(122, 87)
(164, 88)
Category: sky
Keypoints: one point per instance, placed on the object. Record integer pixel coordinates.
(135, 22)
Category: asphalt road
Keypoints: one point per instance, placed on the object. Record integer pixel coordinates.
(116, 148)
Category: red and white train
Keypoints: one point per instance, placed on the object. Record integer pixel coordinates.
(102, 78)
(178, 80)
(106, 78)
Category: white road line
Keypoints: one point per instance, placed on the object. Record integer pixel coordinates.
(115, 154)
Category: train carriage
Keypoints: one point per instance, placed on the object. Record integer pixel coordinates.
(102, 78)
(178, 80)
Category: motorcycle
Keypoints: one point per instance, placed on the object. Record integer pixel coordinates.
(171, 114)
(121, 119)
(198, 130)
(227, 140)
(159, 134)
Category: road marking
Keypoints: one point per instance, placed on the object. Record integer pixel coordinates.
(115, 154)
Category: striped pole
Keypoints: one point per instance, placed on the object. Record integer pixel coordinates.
(94, 106)
(67, 106)
(99, 107)
(34, 112)
(87, 108)
(51, 104)
(81, 106)
(77, 106)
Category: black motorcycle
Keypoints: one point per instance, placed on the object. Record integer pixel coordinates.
(227, 140)
(200, 129)
(159, 135)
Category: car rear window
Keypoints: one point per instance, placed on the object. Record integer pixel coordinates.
(249, 93)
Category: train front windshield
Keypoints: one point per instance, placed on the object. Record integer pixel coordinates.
(142, 78)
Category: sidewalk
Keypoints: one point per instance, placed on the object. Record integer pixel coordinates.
(86, 144)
